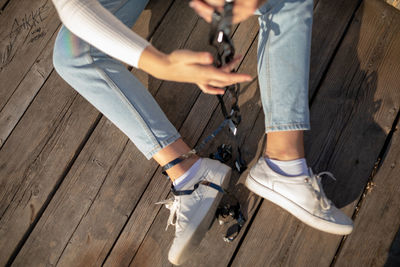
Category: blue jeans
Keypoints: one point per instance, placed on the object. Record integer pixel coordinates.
(283, 70)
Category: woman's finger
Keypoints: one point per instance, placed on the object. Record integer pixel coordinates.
(218, 84)
(211, 90)
(204, 10)
(227, 77)
(191, 57)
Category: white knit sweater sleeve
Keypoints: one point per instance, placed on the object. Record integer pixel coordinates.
(91, 22)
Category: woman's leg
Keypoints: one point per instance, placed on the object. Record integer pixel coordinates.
(119, 95)
(283, 67)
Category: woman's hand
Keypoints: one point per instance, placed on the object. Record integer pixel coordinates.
(242, 9)
(191, 67)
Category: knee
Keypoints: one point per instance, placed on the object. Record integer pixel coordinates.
(66, 52)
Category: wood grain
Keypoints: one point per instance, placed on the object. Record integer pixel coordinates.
(379, 217)
(25, 31)
(170, 35)
(26, 91)
(35, 157)
(331, 18)
(359, 102)
(74, 198)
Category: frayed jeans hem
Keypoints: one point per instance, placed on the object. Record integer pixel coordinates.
(162, 144)
(287, 127)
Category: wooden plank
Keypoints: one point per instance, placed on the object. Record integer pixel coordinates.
(73, 199)
(330, 21)
(16, 207)
(357, 104)
(166, 42)
(26, 91)
(26, 29)
(146, 26)
(151, 18)
(365, 98)
(36, 156)
(378, 220)
(81, 218)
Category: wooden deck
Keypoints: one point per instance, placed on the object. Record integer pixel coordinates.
(74, 191)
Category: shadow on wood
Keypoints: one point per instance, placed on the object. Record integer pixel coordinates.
(348, 127)
(394, 252)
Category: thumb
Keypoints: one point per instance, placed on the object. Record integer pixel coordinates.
(191, 57)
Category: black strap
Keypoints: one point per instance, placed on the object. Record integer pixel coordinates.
(190, 191)
(170, 165)
(220, 34)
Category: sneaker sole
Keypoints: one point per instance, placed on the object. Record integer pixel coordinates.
(194, 240)
(296, 210)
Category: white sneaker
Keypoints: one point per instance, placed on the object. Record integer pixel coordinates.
(193, 211)
(302, 196)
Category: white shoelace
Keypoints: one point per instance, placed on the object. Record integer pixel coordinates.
(173, 205)
(319, 193)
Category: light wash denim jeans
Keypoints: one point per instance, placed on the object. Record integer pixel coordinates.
(283, 70)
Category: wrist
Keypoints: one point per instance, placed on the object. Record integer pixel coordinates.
(153, 61)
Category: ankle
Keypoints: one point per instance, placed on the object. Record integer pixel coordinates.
(285, 145)
(182, 167)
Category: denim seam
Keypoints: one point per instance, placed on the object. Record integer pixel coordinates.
(135, 112)
(131, 107)
(269, 91)
(268, 116)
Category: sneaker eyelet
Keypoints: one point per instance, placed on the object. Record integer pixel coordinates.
(306, 180)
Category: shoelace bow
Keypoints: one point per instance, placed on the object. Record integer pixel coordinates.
(173, 205)
(320, 194)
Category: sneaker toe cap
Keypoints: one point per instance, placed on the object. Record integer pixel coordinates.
(175, 256)
(343, 222)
